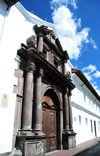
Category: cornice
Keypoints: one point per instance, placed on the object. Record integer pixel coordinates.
(85, 110)
(85, 84)
(31, 52)
(33, 20)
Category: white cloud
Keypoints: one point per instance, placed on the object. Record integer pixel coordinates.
(96, 88)
(90, 68)
(89, 73)
(88, 76)
(55, 3)
(93, 43)
(97, 74)
(67, 26)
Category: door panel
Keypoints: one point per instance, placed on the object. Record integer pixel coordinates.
(52, 130)
(49, 125)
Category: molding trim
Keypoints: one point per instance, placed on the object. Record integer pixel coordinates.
(34, 20)
(84, 87)
(85, 110)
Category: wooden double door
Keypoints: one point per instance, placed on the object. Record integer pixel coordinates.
(49, 125)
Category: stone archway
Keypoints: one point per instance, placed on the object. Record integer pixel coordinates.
(50, 118)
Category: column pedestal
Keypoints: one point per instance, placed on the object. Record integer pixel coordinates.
(31, 145)
(69, 141)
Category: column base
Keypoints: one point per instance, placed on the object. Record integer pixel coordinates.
(25, 132)
(69, 139)
(33, 145)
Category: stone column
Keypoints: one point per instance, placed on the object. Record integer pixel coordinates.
(69, 136)
(64, 67)
(19, 110)
(47, 56)
(37, 121)
(40, 43)
(70, 111)
(66, 111)
(28, 97)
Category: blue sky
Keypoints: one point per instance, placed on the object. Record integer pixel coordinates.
(78, 26)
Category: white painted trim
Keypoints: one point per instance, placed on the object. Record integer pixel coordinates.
(78, 80)
(33, 20)
(85, 110)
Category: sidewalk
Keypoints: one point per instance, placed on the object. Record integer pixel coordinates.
(79, 148)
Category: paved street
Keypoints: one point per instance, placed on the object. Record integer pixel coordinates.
(93, 151)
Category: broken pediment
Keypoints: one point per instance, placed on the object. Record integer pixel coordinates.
(49, 42)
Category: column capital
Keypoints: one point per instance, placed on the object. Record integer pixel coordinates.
(64, 61)
(40, 34)
(31, 67)
(70, 92)
(66, 90)
(40, 71)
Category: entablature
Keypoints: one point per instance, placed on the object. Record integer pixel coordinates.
(50, 71)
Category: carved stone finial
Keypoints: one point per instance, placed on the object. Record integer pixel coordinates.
(31, 40)
(68, 74)
(52, 33)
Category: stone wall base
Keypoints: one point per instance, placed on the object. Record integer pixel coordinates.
(69, 141)
(31, 145)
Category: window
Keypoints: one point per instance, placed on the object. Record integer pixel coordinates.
(55, 63)
(98, 125)
(86, 121)
(44, 54)
(75, 119)
(91, 126)
(89, 102)
(93, 104)
(84, 97)
(79, 119)
(18, 57)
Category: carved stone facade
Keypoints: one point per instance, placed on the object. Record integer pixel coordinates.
(43, 118)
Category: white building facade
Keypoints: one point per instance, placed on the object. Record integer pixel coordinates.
(86, 109)
(16, 25)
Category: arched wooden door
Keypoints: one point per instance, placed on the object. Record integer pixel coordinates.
(49, 124)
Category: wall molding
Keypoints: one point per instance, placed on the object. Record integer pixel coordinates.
(85, 110)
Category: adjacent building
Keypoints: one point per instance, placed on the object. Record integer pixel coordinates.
(45, 103)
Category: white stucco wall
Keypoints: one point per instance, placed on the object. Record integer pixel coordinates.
(14, 30)
(16, 25)
(88, 108)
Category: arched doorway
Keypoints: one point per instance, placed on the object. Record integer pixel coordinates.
(49, 120)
